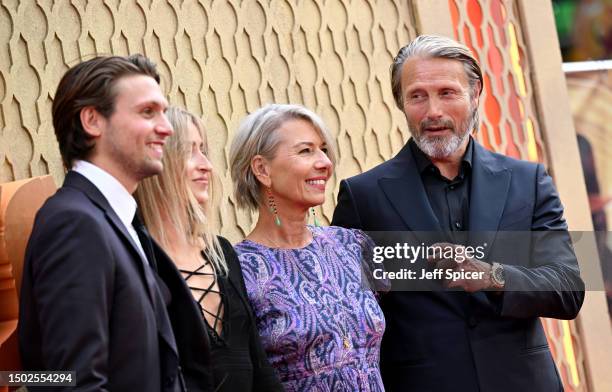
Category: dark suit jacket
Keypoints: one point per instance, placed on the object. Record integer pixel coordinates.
(87, 303)
(455, 341)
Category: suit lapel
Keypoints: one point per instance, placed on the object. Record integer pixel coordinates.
(489, 190)
(78, 181)
(120, 227)
(404, 189)
(153, 283)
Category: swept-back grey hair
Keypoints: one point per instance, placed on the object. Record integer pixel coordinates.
(434, 46)
(257, 135)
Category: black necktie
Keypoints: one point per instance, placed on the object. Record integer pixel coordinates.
(160, 295)
(145, 240)
(147, 246)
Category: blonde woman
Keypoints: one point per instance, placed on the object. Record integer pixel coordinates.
(175, 206)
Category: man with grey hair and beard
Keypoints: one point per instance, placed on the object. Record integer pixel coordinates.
(481, 330)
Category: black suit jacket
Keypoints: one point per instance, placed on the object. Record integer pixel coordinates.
(87, 303)
(455, 341)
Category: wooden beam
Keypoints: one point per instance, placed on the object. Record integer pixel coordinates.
(552, 101)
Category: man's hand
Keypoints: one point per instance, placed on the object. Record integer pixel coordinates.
(469, 273)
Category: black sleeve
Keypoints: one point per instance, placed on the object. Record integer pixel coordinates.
(551, 285)
(264, 375)
(346, 214)
(71, 274)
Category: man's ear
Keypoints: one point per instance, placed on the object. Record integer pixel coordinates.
(259, 167)
(92, 121)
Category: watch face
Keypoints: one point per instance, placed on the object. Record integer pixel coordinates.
(498, 274)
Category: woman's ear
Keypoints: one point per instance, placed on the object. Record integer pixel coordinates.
(92, 121)
(261, 170)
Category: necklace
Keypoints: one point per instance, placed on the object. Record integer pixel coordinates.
(308, 241)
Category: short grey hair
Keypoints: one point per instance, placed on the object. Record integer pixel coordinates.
(257, 135)
(434, 46)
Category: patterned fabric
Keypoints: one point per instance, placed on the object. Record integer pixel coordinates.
(321, 330)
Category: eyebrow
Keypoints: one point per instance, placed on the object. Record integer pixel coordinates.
(298, 144)
(154, 102)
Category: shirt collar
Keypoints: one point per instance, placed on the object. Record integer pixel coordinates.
(120, 200)
(423, 162)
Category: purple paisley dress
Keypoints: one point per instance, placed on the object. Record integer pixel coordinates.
(321, 330)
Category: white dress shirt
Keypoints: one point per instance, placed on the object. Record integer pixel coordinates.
(120, 200)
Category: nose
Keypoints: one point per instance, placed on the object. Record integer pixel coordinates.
(434, 108)
(204, 163)
(164, 127)
(323, 162)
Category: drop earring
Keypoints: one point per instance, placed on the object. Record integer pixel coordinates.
(272, 205)
(314, 216)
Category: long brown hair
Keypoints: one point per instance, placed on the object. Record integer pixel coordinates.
(169, 195)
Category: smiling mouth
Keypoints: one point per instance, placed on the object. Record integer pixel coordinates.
(158, 148)
(316, 182)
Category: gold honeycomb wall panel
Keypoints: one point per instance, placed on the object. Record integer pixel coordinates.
(219, 59)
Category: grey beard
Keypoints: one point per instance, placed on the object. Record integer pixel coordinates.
(438, 147)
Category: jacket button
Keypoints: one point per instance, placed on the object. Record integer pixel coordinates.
(472, 322)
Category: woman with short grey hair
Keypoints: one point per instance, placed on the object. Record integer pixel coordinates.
(257, 136)
(320, 330)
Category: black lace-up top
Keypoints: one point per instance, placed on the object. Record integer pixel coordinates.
(238, 360)
(200, 293)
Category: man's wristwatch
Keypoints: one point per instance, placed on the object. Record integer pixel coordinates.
(497, 276)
